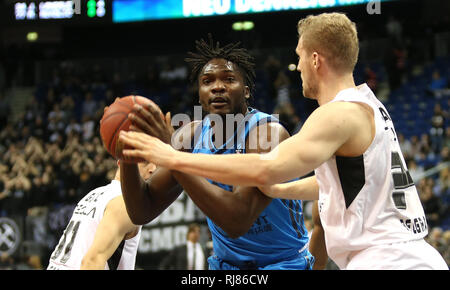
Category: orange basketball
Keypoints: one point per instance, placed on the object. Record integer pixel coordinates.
(115, 119)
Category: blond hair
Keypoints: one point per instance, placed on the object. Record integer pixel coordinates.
(334, 36)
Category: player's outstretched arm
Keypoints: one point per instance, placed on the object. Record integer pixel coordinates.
(325, 131)
(304, 189)
(114, 227)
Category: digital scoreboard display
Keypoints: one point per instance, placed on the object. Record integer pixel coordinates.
(60, 10)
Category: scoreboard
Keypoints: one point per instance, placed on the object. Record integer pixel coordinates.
(74, 11)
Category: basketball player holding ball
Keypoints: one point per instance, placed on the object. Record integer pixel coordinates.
(249, 229)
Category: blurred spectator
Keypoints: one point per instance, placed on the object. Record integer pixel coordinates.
(445, 156)
(437, 81)
(89, 105)
(6, 261)
(447, 138)
(445, 250)
(415, 146)
(405, 145)
(272, 67)
(87, 127)
(188, 256)
(435, 237)
(394, 28)
(437, 128)
(288, 117)
(281, 84)
(432, 206)
(395, 63)
(370, 78)
(415, 170)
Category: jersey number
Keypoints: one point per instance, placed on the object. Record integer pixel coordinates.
(402, 179)
(68, 237)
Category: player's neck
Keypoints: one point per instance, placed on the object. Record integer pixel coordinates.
(331, 86)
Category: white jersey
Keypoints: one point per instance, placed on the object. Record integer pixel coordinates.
(369, 200)
(79, 233)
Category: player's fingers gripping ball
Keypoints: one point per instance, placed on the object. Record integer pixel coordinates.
(115, 119)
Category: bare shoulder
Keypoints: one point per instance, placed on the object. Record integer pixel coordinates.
(353, 122)
(339, 115)
(265, 137)
(182, 137)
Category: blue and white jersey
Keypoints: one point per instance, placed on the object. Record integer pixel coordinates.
(279, 232)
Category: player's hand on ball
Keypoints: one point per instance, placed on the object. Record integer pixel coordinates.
(147, 147)
(151, 121)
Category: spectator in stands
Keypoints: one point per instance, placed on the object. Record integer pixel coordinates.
(446, 246)
(435, 237)
(288, 117)
(415, 146)
(6, 261)
(370, 78)
(87, 127)
(89, 105)
(39, 129)
(437, 128)
(73, 127)
(415, 170)
(272, 67)
(405, 145)
(282, 85)
(438, 83)
(447, 138)
(395, 63)
(444, 155)
(394, 28)
(431, 205)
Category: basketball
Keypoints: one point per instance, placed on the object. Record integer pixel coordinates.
(115, 119)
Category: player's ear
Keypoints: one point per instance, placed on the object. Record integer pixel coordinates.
(247, 92)
(316, 60)
(118, 162)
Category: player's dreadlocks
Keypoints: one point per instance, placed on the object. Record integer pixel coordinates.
(231, 52)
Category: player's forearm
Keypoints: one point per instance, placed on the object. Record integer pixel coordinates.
(304, 189)
(134, 193)
(233, 169)
(252, 169)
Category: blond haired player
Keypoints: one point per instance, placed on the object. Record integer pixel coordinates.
(100, 234)
(369, 207)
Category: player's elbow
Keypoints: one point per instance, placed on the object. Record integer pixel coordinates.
(139, 220)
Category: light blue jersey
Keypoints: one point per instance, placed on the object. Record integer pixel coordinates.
(278, 238)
